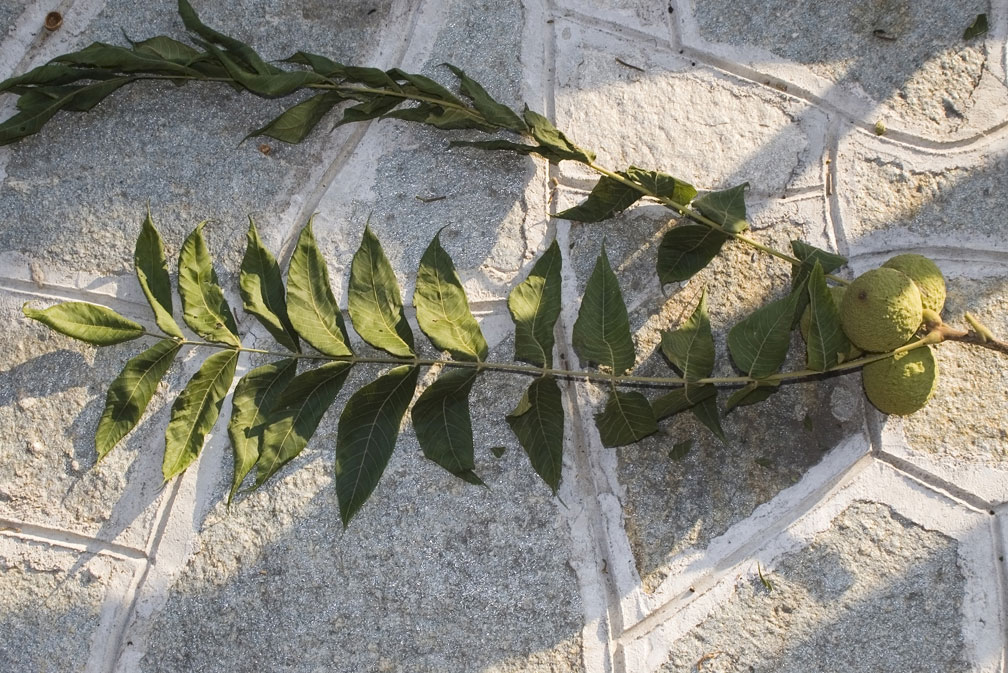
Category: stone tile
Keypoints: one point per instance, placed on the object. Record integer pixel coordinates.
(59, 607)
(432, 575)
(703, 126)
(907, 60)
(176, 148)
(52, 397)
(874, 592)
(9, 12)
(920, 200)
(648, 16)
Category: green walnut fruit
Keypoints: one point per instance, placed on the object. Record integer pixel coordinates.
(926, 276)
(837, 292)
(901, 384)
(881, 310)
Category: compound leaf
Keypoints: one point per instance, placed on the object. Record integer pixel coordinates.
(195, 411)
(538, 423)
(691, 347)
(759, 344)
(826, 341)
(602, 329)
(535, 306)
(626, 418)
(726, 207)
(443, 424)
(296, 416)
(374, 302)
(89, 323)
(368, 428)
(131, 392)
(254, 396)
(442, 309)
(310, 302)
(204, 308)
(262, 290)
(687, 249)
(152, 272)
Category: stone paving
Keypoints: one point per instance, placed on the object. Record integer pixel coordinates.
(821, 536)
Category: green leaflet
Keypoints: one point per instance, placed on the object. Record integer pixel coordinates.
(55, 74)
(440, 117)
(535, 306)
(204, 308)
(827, 342)
(310, 302)
(374, 302)
(691, 347)
(38, 106)
(752, 393)
(626, 418)
(726, 207)
(241, 52)
(759, 344)
(663, 184)
(294, 124)
(442, 309)
(373, 107)
(701, 400)
(268, 85)
(90, 323)
(443, 425)
(538, 423)
(152, 272)
(167, 49)
(492, 111)
(297, 415)
(687, 249)
(320, 64)
(602, 329)
(424, 86)
(607, 198)
(810, 256)
(706, 412)
(262, 290)
(195, 411)
(520, 148)
(550, 137)
(368, 428)
(100, 55)
(131, 392)
(254, 396)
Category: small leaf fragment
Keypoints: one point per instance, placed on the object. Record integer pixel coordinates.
(977, 28)
(195, 411)
(534, 305)
(602, 329)
(130, 393)
(374, 302)
(90, 323)
(498, 451)
(679, 450)
(152, 272)
(442, 309)
(365, 440)
(443, 423)
(726, 207)
(262, 290)
(310, 302)
(538, 423)
(687, 249)
(205, 309)
(626, 418)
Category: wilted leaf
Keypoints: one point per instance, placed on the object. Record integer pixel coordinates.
(492, 111)
(445, 118)
(687, 249)
(368, 428)
(602, 329)
(55, 74)
(296, 416)
(373, 107)
(627, 418)
(90, 323)
(204, 308)
(826, 340)
(254, 396)
(443, 424)
(262, 290)
(759, 344)
(726, 207)
(310, 302)
(294, 124)
(152, 272)
(245, 54)
(549, 136)
(538, 423)
(374, 302)
(320, 64)
(535, 306)
(663, 184)
(131, 392)
(267, 85)
(607, 198)
(442, 309)
(195, 411)
(691, 347)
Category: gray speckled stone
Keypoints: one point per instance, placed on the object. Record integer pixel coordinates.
(51, 605)
(432, 575)
(917, 66)
(9, 11)
(875, 592)
(52, 397)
